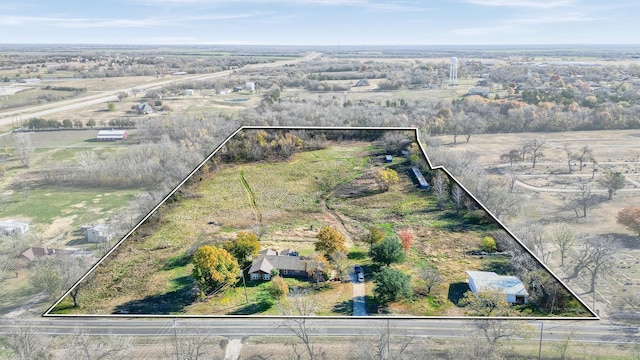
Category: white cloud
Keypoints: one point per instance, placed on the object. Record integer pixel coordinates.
(70, 22)
(538, 4)
(550, 19)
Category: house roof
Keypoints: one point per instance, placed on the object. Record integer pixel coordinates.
(111, 133)
(510, 285)
(266, 263)
(261, 265)
(33, 253)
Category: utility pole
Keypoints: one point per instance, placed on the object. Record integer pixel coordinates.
(540, 345)
(244, 283)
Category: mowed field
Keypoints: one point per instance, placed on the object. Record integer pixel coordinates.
(546, 188)
(150, 273)
(55, 213)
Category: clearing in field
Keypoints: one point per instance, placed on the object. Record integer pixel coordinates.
(339, 222)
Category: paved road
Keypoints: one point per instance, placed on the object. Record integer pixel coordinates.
(9, 116)
(554, 330)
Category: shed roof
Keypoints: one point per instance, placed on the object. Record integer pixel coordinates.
(487, 279)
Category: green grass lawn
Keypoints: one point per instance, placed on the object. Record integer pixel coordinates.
(150, 272)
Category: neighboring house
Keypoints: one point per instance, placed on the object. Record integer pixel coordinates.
(99, 233)
(363, 82)
(287, 262)
(511, 286)
(112, 135)
(10, 227)
(188, 92)
(479, 91)
(144, 108)
(34, 253)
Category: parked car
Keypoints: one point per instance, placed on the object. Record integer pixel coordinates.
(361, 277)
(357, 269)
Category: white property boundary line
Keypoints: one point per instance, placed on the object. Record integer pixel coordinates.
(431, 166)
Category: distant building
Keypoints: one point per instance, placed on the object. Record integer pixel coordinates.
(10, 227)
(29, 81)
(250, 86)
(188, 92)
(176, 73)
(112, 135)
(479, 91)
(388, 158)
(34, 253)
(362, 82)
(99, 233)
(511, 286)
(144, 108)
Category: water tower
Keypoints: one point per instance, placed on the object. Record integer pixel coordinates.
(453, 71)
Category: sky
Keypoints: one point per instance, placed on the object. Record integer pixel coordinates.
(320, 22)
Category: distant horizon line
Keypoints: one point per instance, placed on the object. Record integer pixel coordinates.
(535, 45)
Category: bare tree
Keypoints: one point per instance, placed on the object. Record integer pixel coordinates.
(585, 155)
(55, 274)
(596, 257)
(511, 156)
(439, 186)
(431, 278)
(532, 235)
(458, 197)
(534, 150)
(24, 148)
(564, 237)
(189, 342)
(25, 342)
(92, 347)
(298, 306)
(386, 344)
(571, 157)
(582, 200)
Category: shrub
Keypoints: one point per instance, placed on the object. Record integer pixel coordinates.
(488, 244)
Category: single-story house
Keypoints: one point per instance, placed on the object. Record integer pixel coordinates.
(33, 253)
(99, 233)
(112, 135)
(11, 227)
(188, 92)
(511, 286)
(144, 108)
(287, 262)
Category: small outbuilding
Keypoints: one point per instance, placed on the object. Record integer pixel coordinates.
(112, 135)
(144, 108)
(11, 227)
(511, 286)
(388, 158)
(99, 233)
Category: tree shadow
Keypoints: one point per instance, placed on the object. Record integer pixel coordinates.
(357, 255)
(254, 308)
(168, 303)
(498, 264)
(181, 260)
(628, 241)
(456, 291)
(344, 308)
